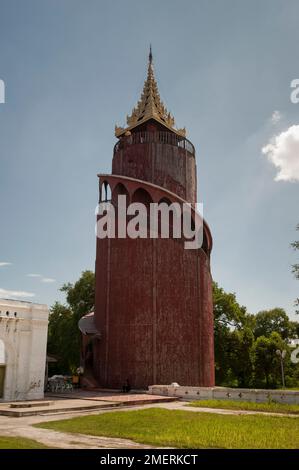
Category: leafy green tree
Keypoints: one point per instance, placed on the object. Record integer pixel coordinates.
(270, 321)
(59, 338)
(242, 342)
(267, 369)
(227, 311)
(245, 344)
(233, 339)
(222, 336)
(63, 332)
(294, 329)
(80, 296)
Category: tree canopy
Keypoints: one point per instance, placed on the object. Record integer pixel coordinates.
(246, 344)
(63, 332)
(270, 321)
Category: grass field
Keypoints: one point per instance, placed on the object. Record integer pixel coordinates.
(19, 443)
(187, 429)
(270, 407)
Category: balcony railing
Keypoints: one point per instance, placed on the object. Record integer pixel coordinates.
(156, 137)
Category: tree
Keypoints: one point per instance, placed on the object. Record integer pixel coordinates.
(245, 344)
(266, 362)
(275, 320)
(63, 332)
(227, 311)
(233, 339)
(242, 356)
(295, 245)
(60, 338)
(80, 296)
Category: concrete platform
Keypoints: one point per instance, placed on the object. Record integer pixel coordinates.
(80, 401)
(56, 406)
(29, 404)
(108, 395)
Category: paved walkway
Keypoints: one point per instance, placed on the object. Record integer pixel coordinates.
(23, 427)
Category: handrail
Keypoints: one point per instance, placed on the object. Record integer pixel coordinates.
(156, 137)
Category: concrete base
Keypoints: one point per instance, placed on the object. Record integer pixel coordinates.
(61, 406)
(224, 393)
(84, 401)
(29, 404)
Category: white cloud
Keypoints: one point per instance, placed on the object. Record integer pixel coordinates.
(4, 263)
(283, 152)
(276, 117)
(4, 293)
(48, 280)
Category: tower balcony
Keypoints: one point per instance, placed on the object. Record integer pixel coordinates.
(161, 137)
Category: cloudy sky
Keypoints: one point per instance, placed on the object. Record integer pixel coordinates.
(74, 68)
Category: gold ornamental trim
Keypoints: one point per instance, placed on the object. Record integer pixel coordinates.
(150, 106)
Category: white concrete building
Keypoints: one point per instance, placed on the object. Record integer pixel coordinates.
(23, 344)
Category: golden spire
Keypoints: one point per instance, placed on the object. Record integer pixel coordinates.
(150, 106)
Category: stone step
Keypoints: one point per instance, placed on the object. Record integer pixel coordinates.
(29, 404)
(85, 404)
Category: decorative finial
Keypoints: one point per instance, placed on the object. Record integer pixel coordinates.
(150, 56)
(150, 106)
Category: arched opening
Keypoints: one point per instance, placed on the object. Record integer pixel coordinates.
(2, 367)
(105, 194)
(140, 205)
(166, 200)
(141, 195)
(120, 190)
(120, 200)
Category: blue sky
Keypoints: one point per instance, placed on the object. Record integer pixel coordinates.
(73, 69)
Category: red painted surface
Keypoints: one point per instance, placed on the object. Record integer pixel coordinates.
(153, 303)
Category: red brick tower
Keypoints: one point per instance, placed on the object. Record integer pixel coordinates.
(153, 306)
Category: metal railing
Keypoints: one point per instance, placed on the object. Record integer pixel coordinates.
(161, 137)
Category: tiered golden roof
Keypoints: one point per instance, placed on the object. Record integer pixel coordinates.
(150, 106)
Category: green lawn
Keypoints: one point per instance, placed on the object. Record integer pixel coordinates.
(187, 429)
(19, 443)
(271, 407)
